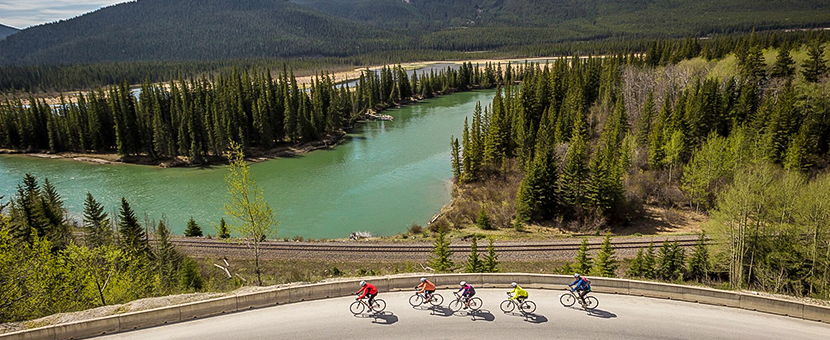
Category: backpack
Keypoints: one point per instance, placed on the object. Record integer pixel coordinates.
(587, 283)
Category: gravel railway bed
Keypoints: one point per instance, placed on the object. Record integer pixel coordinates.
(366, 250)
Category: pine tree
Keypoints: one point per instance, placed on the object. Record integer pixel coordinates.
(656, 140)
(752, 64)
(574, 175)
(781, 126)
(674, 149)
(193, 229)
(784, 64)
(606, 264)
(483, 220)
(474, 263)
(491, 262)
(699, 262)
(223, 230)
(189, 277)
(51, 205)
(166, 258)
(525, 198)
(815, 66)
(646, 118)
(649, 261)
(456, 162)
(133, 237)
(440, 259)
(670, 261)
(636, 267)
(467, 155)
(26, 217)
(797, 157)
(98, 230)
(584, 263)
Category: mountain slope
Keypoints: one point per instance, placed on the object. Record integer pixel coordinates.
(439, 14)
(227, 29)
(6, 31)
(194, 30)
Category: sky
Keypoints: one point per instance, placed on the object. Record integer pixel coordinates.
(25, 13)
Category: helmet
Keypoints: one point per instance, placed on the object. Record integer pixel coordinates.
(514, 284)
(576, 275)
(423, 279)
(463, 283)
(362, 283)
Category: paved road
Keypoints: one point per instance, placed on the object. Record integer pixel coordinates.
(617, 317)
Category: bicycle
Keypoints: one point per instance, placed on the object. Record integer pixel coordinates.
(455, 305)
(525, 307)
(418, 299)
(359, 306)
(570, 298)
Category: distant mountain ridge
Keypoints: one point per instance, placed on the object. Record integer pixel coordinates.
(231, 29)
(6, 31)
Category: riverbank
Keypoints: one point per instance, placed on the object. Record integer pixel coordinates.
(339, 75)
(253, 156)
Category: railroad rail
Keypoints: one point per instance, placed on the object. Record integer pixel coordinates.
(329, 247)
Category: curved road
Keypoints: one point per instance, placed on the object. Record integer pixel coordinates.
(617, 317)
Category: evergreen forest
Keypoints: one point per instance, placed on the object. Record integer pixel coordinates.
(596, 140)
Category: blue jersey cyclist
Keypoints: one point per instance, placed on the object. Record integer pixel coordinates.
(582, 286)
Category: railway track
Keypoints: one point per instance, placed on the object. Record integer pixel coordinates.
(512, 247)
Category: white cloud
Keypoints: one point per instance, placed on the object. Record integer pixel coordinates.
(25, 13)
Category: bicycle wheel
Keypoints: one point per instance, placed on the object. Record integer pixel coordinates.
(475, 304)
(416, 300)
(379, 305)
(507, 306)
(436, 299)
(356, 307)
(567, 300)
(455, 305)
(591, 302)
(527, 307)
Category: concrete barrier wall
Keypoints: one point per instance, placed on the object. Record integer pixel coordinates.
(231, 304)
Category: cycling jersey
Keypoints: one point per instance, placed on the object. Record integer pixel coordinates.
(368, 289)
(426, 286)
(468, 290)
(518, 292)
(580, 285)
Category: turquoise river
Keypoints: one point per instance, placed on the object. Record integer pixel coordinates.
(384, 177)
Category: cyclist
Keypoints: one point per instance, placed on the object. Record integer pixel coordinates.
(468, 293)
(369, 290)
(582, 286)
(518, 293)
(427, 288)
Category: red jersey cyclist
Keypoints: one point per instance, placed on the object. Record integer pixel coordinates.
(369, 290)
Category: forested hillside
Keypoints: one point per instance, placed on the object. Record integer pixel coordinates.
(594, 141)
(225, 29)
(6, 31)
(195, 30)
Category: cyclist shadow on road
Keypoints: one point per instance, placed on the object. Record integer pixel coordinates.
(530, 317)
(599, 313)
(476, 315)
(440, 311)
(382, 318)
(535, 318)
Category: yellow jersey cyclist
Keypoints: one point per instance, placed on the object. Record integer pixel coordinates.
(518, 293)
